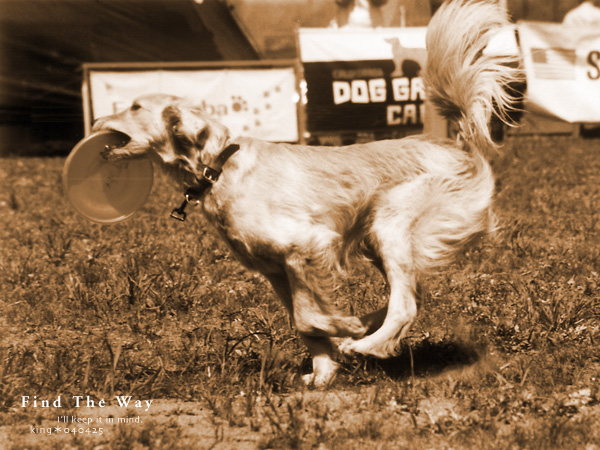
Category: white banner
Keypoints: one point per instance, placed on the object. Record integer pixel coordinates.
(563, 70)
(357, 44)
(260, 103)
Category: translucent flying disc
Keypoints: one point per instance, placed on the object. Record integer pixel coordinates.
(106, 191)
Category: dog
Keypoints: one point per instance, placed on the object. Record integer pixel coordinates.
(300, 215)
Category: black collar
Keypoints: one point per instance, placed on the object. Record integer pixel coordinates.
(209, 175)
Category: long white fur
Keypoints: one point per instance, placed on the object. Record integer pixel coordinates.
(300, 215)
(462, 81)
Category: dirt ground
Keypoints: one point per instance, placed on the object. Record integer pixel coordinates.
(178, 424)
(198, 427)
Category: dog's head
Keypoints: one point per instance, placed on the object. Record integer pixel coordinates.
(171, 130)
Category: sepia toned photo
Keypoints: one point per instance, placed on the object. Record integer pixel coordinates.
(300, 224)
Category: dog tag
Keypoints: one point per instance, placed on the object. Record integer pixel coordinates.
(179, 213)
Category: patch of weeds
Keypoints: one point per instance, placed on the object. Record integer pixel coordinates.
(289, 427)
(555, 432)
(148, 436)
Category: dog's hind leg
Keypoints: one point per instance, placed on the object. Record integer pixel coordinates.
(392, 228)
(401, 311)
(374, 320)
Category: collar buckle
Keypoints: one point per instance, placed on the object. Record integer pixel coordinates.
(210, 174)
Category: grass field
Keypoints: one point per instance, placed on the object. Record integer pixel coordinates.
(505, 353)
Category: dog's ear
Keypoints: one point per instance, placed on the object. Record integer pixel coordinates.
(202, 137)
(179, 140)
(193, 135)
(211, 139)
(205, 134)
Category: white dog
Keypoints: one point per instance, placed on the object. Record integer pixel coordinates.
(298, 214)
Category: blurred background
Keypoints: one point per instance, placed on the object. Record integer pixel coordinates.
(43, 44)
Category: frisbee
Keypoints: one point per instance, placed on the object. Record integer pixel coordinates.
(101, 190)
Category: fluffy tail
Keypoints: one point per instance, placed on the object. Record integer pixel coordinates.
(464, 83)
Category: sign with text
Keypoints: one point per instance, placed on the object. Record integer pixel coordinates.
(256, 102)
(562, 64)
(363, 79)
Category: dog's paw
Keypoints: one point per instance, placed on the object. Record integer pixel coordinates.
(320, 381)
(346, 346)
(366, 347)
(324, 372)
(308, 379)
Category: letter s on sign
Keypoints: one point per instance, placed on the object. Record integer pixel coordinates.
(593, 60)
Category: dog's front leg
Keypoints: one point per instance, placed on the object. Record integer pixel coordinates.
(324, 367)
(320, 347)
(314, 317)
(317, 322)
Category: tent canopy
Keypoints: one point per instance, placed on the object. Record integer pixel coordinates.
(43, 44)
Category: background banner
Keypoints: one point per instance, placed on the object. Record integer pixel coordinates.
(261, 103)
(563, 70)
(363, 79)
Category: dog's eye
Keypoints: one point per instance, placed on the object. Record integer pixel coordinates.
(136, 106)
